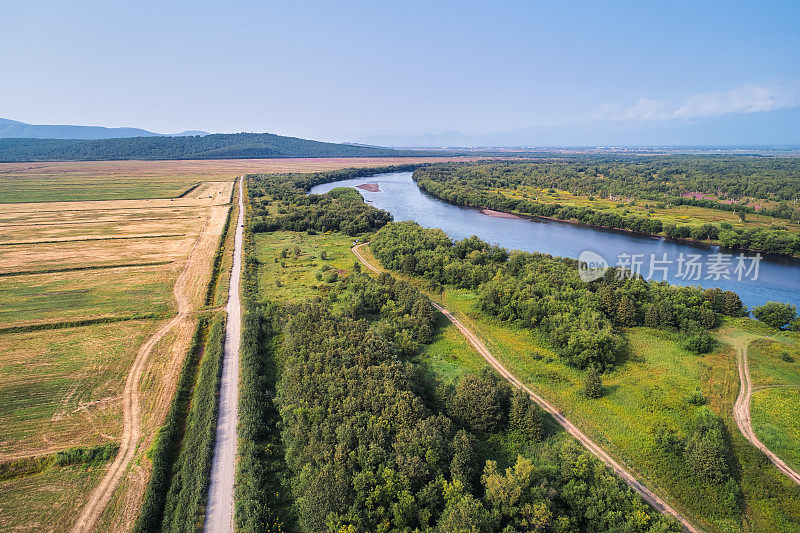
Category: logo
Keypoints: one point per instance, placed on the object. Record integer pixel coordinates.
(591, 266)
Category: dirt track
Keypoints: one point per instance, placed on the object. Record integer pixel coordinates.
(219, 509)
(131, 432)
(741, 410)
(659, 504)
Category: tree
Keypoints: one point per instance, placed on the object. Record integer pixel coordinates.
(699, 343)
(651, 317)
(593, 385)
(626, 312)
(525, 416)
(464, 465)
(464, 514)
(608, 301)
(775, 314)
(479, 402)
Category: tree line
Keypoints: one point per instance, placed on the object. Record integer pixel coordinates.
(474, 184)
(216, 146)
(581, 320)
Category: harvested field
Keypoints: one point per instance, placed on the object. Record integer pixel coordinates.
(61, 388)
(64, 387)
(49, 501)
(105, 180)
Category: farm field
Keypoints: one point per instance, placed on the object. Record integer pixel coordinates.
(109, 260)
(62, 387)
(653, 386)
(49, 501)
(118, 180)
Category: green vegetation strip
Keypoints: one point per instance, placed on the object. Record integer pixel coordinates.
(75, 269)
(190, 189)
(182, 451)
(262, 498)
(77, 323)
(34, 465)
(215, 272)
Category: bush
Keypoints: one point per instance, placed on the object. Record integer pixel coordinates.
(776, 315)
(593, 384)
(699, 343)
(696, 398)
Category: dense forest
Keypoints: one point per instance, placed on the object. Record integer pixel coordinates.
(581, 320)
(218, 146)
(368, 449)
(661, 180)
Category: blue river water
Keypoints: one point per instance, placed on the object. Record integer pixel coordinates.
(757, 281)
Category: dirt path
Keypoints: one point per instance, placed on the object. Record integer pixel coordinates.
(131, 424)
(219, 509)
(741, 409)
(573, 430)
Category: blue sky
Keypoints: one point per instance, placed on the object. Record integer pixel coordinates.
(346, 70)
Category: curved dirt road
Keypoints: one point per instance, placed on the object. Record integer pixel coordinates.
(131, 423)
(659, 504)
(219, 509)
(741, 411)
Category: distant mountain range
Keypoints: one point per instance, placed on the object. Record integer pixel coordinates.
(14, 129)
(741, 129)
(214, 146)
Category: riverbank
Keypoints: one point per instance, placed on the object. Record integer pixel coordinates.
(658, 236)
(777, 278)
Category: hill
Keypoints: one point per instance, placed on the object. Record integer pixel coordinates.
(217, 146)
(14, 129)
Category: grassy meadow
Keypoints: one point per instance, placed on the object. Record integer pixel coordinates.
(775, 414)
(289, 262)
(676, 214)
(775, 409)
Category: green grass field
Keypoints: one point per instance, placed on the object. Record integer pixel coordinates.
(57, 297)
(776, 421)
(677, 214)
(293, 278)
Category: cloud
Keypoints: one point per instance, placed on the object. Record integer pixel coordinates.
(744, 99)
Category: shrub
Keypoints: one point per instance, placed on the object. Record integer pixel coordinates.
(593, 384)
(776, 315)
(699, 343)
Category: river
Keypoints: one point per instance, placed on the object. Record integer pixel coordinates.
(756, 280)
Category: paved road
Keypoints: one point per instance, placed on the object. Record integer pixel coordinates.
(590, 445)
(741, 411)
(219, 511)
